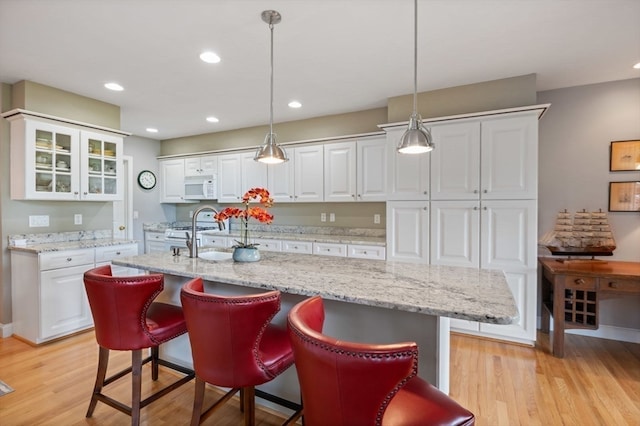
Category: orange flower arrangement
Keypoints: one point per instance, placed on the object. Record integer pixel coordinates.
(258, 213)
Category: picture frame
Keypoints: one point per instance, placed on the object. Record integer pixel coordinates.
(624, 156)
(624, 196)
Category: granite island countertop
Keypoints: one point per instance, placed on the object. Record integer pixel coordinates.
(456, 292)
(316, 238)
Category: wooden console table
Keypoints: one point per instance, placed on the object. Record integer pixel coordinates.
(571, 292)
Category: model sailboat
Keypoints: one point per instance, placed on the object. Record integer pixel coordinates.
(581, 234)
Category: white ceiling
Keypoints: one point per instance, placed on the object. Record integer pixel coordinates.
(334, 56)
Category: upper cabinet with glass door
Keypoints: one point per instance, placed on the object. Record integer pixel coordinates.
(55, 160)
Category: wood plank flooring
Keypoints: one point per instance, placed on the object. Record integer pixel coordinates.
(597, 383)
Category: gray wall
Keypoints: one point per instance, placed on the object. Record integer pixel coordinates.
(575, 136)
(146, 202)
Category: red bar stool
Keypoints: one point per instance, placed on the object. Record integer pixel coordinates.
(344, 383)
(126, 319)
(234, 345)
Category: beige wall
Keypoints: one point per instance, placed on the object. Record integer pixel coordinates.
(49, 100)
(312, 128)
(485, 96)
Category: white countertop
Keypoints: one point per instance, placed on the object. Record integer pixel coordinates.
(70, 245)
(456, 292)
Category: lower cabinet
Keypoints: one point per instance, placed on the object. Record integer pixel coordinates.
(153, 242)
(523, 286)
(48, 296)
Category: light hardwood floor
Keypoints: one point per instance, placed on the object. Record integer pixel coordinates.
(597, 383)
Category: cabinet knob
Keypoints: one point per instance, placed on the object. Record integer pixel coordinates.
(425, 192)
(485, 191)
(121, 227)
(85, 192)
(579, 281)
(613, 284)
(69, 259)
(117, 253)
(484, 208)
(290, 196)
(364, 252)
(475, 208)
(424, 208)
(475, 191)
(353, 196)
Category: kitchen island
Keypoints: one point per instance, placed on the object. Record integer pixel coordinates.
(365, 300)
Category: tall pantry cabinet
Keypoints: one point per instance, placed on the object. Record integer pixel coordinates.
(482, 208)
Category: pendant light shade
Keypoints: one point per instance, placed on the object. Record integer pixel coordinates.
(270, 152)
(416, 139)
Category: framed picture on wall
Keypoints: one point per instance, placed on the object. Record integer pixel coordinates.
(624, 196)
(624, 156)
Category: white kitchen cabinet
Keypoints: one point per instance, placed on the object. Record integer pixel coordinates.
(407, 175)
(330, 249)
(237, 173)
(266, 244)
(356, 170)
(493, 158)
(104, 256)
(200, 166)
(215, 240)
(305, 247)
(63, 160)
(455, 163)
(408, 231)
(493, 234)
(340, 171)
(172, 181)
(523, 286)
(361, 251)
(153, 242)
(301, 179)
(48, 296)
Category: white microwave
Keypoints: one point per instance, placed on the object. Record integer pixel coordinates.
(201, 188)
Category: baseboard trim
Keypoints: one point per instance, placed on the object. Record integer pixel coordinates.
(6, 330)
(611, 332)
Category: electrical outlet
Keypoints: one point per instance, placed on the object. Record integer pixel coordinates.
(77, 219)
(323, 217)
(332, 217)
(38, 221)
(376, 218)
(136, 215)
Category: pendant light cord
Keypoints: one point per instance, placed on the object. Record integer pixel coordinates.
(415, 57)
(271, 95)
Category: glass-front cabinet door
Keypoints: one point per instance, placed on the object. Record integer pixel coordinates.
(50, 156)
(101, 163)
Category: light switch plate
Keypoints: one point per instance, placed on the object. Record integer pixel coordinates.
(77, 219)
(332, 217)
(38, 220)
(376, 218)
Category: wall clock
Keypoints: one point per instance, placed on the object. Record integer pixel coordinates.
(146, 179)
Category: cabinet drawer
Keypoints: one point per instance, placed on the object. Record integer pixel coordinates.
(330, 249)
(580, 283)
(216, 241)
(106, 254)
(619, 286)
(366, 252)
(154, 236)
(297, 247)
(268, 245)
(66, 258)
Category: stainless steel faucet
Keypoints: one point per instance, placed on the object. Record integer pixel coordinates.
(192, 241)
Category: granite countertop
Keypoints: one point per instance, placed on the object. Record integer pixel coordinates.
(70, 245)
(456, 292)
(316, 238)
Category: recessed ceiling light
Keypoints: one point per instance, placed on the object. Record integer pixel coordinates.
(210, 57)
(212, 119)
(294, 104)
(152, 130)
(114, 86)
(637, 66)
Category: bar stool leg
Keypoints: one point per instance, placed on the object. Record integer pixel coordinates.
(136, 386)
(103, 362)
(249, 402)
(155, 356)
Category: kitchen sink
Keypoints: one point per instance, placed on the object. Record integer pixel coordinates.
(215, 255)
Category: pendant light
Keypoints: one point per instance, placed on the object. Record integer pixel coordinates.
(269, 152)
(416, 139)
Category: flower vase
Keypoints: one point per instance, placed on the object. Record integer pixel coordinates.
(246, 254)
